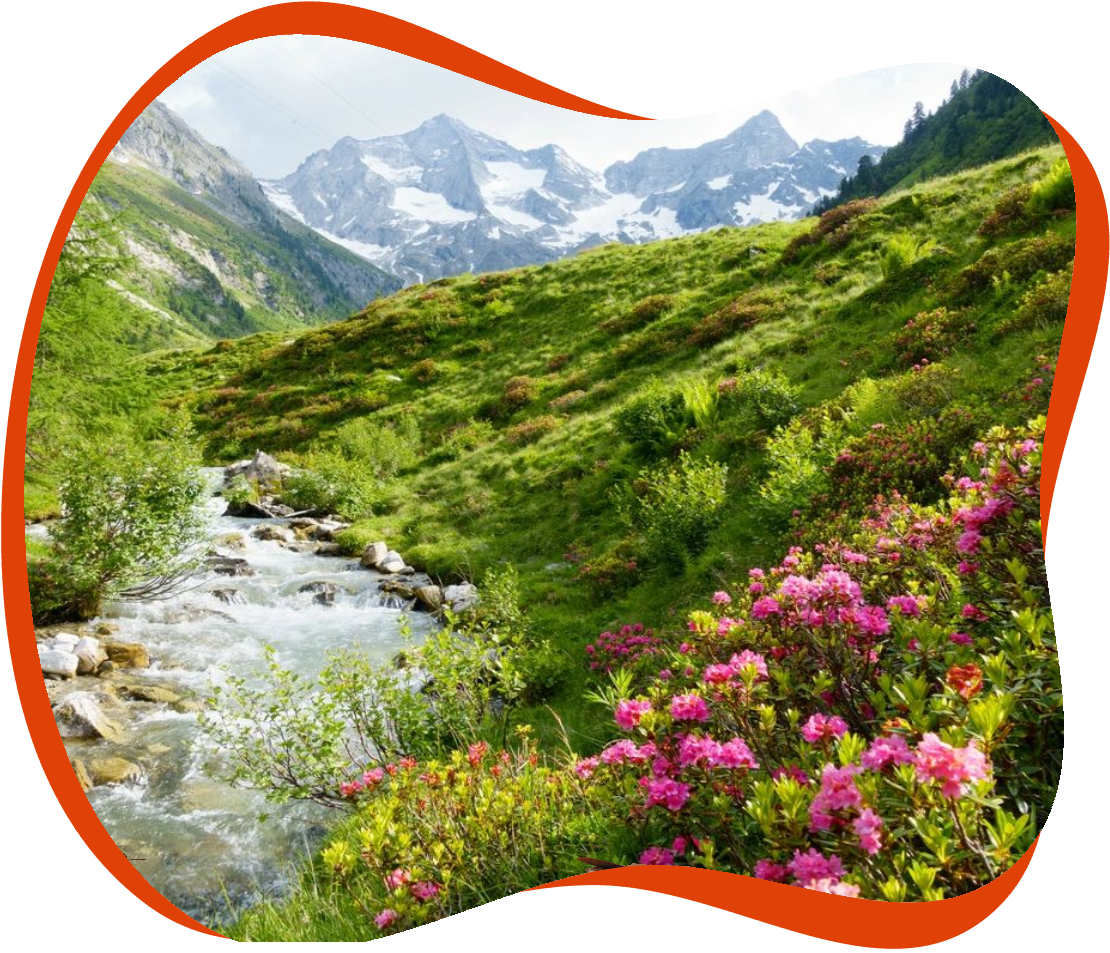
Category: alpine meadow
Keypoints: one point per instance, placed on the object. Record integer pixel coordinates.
(405, 530)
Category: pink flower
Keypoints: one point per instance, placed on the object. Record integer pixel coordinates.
(721, 599)
(667, 792)
(629, 713)
(350, 788)
(838, 793)
(828, 885)
(812, 865)
(424, 890)
(908, 605)
(790, 771)
(717, 674)
(689, 708)
(742, 660)
(373, 777)
(397, 878)
(822, 727)
(621, 752)
(867, 827)
(657, 855)
(886, 751)
(953, 767)
(974, 613)
(586, 767)
(764, 607)
(960, 638)
(733, 754)
(769, 870)
(726, 625)
(386, 919)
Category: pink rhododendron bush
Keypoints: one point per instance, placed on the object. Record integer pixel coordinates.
(876, 717)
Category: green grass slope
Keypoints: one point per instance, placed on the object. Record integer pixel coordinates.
(223, 278)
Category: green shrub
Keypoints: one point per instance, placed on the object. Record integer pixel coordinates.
(543, 671)
(463, 438)
(1055, 191)
(743, 314)
(383, 448)
(1010, 215)
(1019, 260)
(328, 481)
(654, 421)
(759, 400)
(679, 507)
(1044, 304)
(424, 371)
(129, 515)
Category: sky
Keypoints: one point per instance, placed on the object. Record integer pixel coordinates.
(272, 102)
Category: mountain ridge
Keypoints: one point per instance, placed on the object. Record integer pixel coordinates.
(444, 198)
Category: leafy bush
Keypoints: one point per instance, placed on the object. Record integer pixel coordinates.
(383, 448)
(653, 421)
(750, 309)
(130, 515)
(678, 508)
(1020, 260)
(430, 840)
(424, 371)
(759, 400)
(642, 312)
(1010, 215)
(543, 670)
(517, 393)
(329, 481)
(931, 335)
(882, 718)
(529, 431)
(464, 438)
(1053, 192)
(1044, 304)
(293, 738)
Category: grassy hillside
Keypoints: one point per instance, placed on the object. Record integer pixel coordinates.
(535, 417)
(223, 278)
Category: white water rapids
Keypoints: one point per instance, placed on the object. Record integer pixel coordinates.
(200, 842)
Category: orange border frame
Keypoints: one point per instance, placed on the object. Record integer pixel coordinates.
(881, 925)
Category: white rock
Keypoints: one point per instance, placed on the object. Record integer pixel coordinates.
(64, 641)
(373, 555)
(461, 597)
(89, 655)
(392, 563)
(82, 715)
(58, 663)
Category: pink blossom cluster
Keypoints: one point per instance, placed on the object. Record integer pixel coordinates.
(821, 727)
(629, 713)
(623, 648)
(708, 753)
(370, 780)
(953, 767)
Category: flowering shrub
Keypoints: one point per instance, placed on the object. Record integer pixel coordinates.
(1043, 304)
(610, 573)
(877, 717)
(1019, 260)
(529, 431)
(432, 839)
(931, 335)
(631, 646)
(1009, 215)
(750, 309)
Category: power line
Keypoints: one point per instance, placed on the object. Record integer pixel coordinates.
(323, 82)
(274, 103)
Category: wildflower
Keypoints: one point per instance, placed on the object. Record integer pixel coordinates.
(586, 767)
(689, 708)
(838, 793)
(629, 713)
(769, 870)
(960, 638)
(622, 751)
(386, 919)
(667, 792)
(822, 727)
(372, 778)
(790, 771)
(886, 751)
(733, 754)
(954, 767)
(974, 613)
(908, 605)
(966, 568)
(764, 607)
(657, 855)
(396, 879)
(350, 788)
(475, 753)
(748, 658)
(966, 680)
(721, 599)
(717, 674)
(867, 827)
(828, 885)
(813, 865)
(424, 890)
(726, 625)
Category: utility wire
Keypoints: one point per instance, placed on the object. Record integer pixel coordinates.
(274, 103)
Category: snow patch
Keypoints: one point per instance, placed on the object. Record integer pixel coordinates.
(429, 206)
(721, 182)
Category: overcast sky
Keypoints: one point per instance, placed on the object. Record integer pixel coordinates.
(274, 101)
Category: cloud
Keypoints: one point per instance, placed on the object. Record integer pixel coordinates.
(274, 101)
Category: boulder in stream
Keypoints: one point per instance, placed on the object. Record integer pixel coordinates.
(90, 715)
(261, 468)
(374, 554)
(323, 593)
(273, 532)
(56, 663)
(430, 597)
(127, 654)
(112, 770)
(89, 655)
(461, 597)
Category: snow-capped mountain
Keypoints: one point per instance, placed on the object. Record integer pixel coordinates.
(446, 199)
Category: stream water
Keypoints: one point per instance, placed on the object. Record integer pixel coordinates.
(200, 842)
